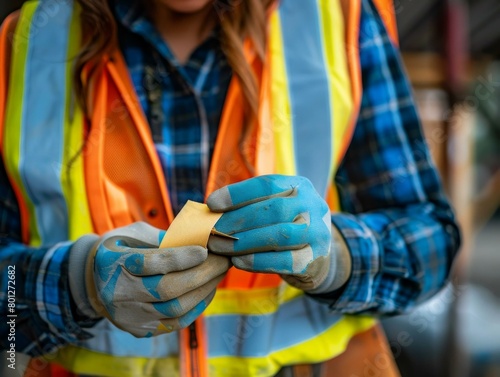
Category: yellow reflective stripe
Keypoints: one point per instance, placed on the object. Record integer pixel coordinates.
(72, 171)
(86, 362)
(251, 302)
(325, 346)
(14, 111)
(333, 30)
(288, 292)
(280, 102)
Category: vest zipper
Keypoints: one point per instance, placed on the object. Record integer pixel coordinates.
(193, 346)
(193, 349)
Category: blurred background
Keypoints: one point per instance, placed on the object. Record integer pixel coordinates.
(451, 49)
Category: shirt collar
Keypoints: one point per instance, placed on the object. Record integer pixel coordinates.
(132, 14)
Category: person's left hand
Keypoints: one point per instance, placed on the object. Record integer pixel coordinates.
(283, 226)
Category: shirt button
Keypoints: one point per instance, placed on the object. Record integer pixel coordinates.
(153, 212)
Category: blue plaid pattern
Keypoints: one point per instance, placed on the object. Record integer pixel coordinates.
(48, 286)
(44, 309)
(191, 96)
(397, 222)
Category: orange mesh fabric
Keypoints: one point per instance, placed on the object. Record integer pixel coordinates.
(123, 173)
(386, 10)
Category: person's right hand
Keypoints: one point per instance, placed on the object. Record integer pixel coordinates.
(146, 290)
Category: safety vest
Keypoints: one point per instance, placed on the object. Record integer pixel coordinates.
(310, 90)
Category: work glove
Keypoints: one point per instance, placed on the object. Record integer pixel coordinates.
(282, 226)
(142, 289)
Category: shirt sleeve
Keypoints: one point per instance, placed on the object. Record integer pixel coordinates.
(397, 223)
(35, 301)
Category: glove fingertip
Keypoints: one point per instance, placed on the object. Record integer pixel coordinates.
(220, 200)
(220, 245)
(191, 256)
(242, 263)
(200, 250)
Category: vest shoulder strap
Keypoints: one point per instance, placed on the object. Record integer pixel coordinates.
(6, 37)
(386, 11)
(7, 31)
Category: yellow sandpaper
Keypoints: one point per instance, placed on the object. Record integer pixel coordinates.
(192, 226)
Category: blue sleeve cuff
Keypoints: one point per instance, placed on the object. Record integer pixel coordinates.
(53, 296)
(366, 258)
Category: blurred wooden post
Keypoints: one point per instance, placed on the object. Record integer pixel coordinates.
(449, 133)
(448, 130)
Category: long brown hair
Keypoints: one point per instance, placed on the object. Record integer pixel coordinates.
(238, 19)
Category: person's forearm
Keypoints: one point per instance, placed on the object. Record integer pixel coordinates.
(399, 257)
(35, 298)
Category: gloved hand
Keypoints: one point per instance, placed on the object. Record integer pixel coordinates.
(142, 289)
(283, 226)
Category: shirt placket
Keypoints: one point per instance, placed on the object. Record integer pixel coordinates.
(154, 75)
(204, 126)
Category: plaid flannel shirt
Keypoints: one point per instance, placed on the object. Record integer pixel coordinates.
(396, 221)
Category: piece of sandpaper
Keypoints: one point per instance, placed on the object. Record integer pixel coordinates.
(192, 226)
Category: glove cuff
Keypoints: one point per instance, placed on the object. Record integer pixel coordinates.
(79, 255)
(340, 265)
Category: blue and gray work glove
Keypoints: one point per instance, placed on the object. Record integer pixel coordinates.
(283, 226)
(142, 289)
